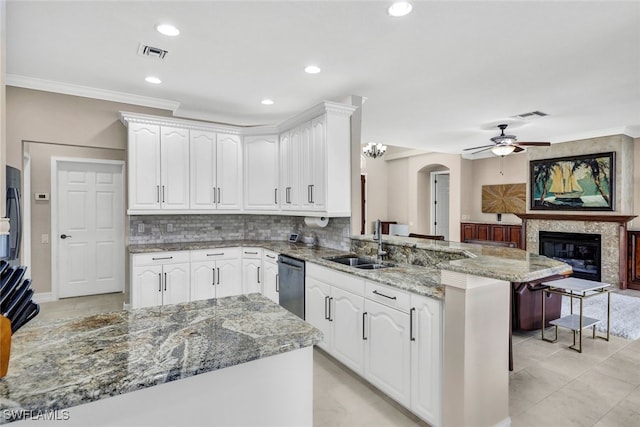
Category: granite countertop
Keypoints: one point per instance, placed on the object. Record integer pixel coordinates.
(510, 264)
(60, 364)
(417, 279)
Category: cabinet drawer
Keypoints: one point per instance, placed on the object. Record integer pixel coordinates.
(335, 278)
(388, 296)
(270, 256)
(251, 252)
(215, 253)
(159, 258)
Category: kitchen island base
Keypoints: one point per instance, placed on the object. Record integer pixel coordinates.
(273, 391)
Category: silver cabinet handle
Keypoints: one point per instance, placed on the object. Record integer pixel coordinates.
(214, 196)
(214, 277)
(163, 194)
(159, 282)
(216, 254)
(364, 322)
(219, 199)
(250, 253)
(162, 257)
(326, 316)
(258, 274)
(157, 194)
(277, 282)
(312, 201)
(383, 295)
(309, 193)
(411, 337)
(275, 197)
(165, 281)
(330, 319)
(218, 268)
(64, 236)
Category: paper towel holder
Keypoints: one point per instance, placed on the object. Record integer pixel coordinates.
(312, 221)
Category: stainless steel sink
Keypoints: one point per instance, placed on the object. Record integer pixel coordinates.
(358, 262)
(353, 261)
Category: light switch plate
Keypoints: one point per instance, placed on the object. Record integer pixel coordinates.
(141, 227)
(41, 196)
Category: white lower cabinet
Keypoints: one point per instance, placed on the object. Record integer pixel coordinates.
(426, 359)
(392, 338)
(387, 362)
(215, 273)
(158, 279)
(270, 285)
(251, 270)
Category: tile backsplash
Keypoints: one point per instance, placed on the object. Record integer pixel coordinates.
(201, 228)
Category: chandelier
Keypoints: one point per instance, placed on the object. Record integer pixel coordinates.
(374, 150)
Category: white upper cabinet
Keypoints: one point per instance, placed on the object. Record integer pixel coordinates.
(261, 173)
(301, 166)
(158, 167)
(174, 169)
(215, 171)
(229, 172)
(144, 166)
(290, 179)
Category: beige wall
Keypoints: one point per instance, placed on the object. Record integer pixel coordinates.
(514, 169)
(55, 125)
(635, 224)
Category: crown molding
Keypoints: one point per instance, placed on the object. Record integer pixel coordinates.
(89, 92)
(128, 117)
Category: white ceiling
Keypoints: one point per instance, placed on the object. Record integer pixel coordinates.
(439, 79)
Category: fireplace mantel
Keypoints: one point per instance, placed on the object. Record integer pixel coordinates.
(621, 219)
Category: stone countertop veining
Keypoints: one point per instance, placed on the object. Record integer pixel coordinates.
(64, 363)
(417, 279)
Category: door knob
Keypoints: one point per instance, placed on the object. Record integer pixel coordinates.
(64, 236)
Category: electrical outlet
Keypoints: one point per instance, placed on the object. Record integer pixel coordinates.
(141, 227)
(44, 238)
(169, 228)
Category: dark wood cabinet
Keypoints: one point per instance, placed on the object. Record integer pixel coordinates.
(492, 232)
(633, 264)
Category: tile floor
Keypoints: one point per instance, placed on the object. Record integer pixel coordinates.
(551, 385)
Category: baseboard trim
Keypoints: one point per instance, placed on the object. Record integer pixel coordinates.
(504, 423)
(41, 297)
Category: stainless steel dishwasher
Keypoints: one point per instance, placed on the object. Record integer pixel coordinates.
(291, 284)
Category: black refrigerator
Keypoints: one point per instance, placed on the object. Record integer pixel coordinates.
(10, 244)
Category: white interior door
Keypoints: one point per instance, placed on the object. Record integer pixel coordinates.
(440, 203)
(89, 225)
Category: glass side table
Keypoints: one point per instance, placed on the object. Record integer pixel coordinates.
(581, 289)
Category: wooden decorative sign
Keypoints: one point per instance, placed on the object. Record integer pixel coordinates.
(504, 198)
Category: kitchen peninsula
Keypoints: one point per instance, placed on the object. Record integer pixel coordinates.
(122, 367)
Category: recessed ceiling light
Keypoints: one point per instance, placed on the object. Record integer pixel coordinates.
(400, 8)
(312, 69)
(267, 101)
(152, 79)
(167, 30)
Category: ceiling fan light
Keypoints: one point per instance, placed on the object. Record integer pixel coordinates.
(503, 150)
(400, 8)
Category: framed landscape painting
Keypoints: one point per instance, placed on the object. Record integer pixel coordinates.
(577, 183)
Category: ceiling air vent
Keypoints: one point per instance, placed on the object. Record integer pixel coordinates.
(531, 115)
(152, 52)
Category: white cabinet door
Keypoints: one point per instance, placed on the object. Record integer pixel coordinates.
(203, 284)
(144, 166)
(228, 278)
(290, 170)
(307, 166)
(261, 172)
(176, 284)
(174, 169)
(146, 286)
(251, 280)
(387, 354)
(202, 150)
(426, 359)
(318, 160)
(316, 308)
(346, 315)
(270, 280)
(229, 172)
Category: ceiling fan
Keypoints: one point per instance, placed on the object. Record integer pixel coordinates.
(506, 144)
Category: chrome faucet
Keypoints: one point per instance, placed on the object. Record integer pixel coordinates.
(378, 236)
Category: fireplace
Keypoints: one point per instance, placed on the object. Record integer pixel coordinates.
(582, 251)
